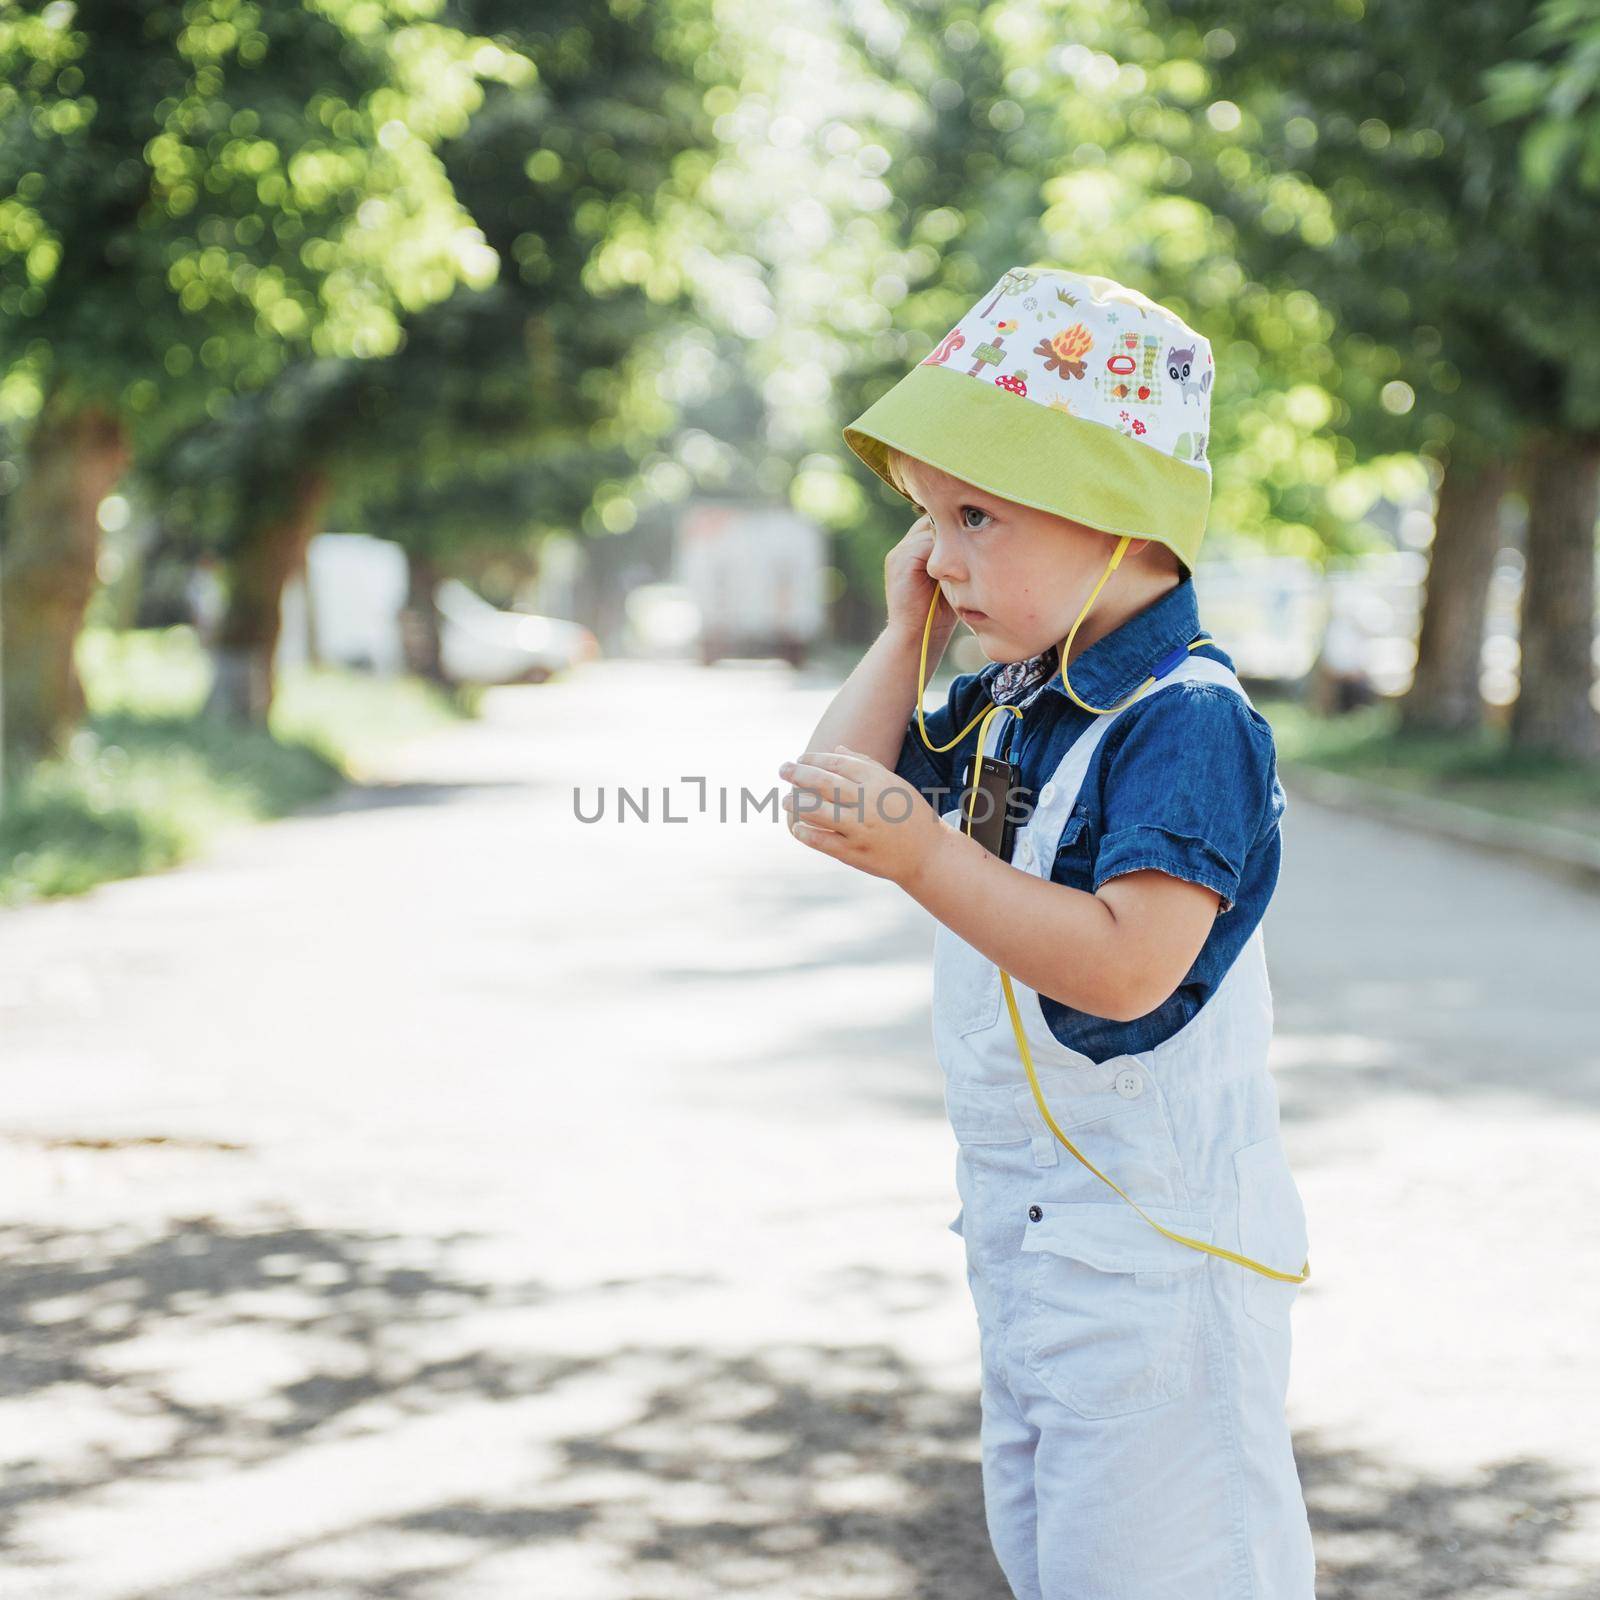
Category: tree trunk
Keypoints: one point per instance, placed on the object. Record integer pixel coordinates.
(309, 600)
(247, 640)
(419, 624)
(1553, 711)
(1444, 696)
(72, 461)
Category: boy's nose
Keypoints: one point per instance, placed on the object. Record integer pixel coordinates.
(940, 562)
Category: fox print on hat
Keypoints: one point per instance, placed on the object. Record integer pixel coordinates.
(1067, 392)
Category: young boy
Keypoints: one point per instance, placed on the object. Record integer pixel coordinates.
(1134, 1235)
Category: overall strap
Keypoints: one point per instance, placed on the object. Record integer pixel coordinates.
(1204, 669)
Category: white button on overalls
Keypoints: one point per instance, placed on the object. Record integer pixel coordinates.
(1133, 1435)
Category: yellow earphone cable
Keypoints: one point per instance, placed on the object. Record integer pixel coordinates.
(983, 718)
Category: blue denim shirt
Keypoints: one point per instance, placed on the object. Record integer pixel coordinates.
(1185, 781)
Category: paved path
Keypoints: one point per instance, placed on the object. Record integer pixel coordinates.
(436, 1196)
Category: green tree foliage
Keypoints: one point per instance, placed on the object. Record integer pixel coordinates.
(450, 443)
(961, 166)
(1350, 154)
(196, 195)
(508, 409)
(1550, 87)
(867, 180)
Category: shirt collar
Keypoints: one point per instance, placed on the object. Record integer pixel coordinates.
(1110, 669)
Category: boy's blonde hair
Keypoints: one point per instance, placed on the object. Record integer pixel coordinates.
(1158, 555)
(892, 460)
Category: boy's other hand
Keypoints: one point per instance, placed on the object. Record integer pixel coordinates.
(908, 590)
(856, 810)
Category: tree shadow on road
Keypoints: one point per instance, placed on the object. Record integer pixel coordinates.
(792, 1470)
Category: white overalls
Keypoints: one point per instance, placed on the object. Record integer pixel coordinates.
(1133, 1433)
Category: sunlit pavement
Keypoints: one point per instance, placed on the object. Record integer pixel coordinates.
(438, 1196)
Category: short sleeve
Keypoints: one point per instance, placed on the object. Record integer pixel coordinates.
(935, 772)
(1188, 789)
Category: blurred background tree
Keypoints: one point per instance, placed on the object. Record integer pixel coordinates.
(1353, 156)
(197, 194)
(451, 444)
(555, 392)
(1549, 84)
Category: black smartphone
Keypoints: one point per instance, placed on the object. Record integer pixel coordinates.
(988, 794)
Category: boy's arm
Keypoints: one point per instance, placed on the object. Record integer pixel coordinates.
(1105, 953)
(1190, 780)
(1115, 954)
(874, 704)
(871, 711)
(1186, 791)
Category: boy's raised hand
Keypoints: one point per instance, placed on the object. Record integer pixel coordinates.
(856, 810)
(908, 590)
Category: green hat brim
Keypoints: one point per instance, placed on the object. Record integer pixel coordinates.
(1036, 455)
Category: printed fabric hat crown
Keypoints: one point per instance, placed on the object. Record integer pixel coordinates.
(1066, 392)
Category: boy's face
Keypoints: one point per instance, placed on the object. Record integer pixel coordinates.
(1027, 571)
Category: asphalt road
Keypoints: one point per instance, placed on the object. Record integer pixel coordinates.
(437, 1195)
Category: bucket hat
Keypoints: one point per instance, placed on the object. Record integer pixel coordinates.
(1066, 392)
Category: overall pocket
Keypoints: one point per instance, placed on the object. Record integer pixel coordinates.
(1272, 1228)
(966, 983)
(1114, 1305)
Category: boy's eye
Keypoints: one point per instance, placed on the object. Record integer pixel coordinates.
(979, 511)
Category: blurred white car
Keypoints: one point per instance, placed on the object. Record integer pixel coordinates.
(480, 643)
